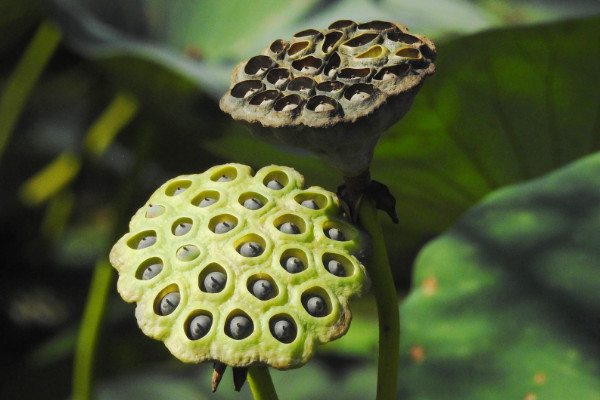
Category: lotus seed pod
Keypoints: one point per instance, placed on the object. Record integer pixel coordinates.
(332, 92)
(215, 282)
(335, 267)
(244, 296)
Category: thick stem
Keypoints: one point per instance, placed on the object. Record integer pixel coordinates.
(261, 384)
(386, 300)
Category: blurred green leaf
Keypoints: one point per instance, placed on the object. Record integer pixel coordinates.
(17, 17)
(504, 106)
(506, 303)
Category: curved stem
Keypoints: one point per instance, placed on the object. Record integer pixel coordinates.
(261, 384)
(387, 303)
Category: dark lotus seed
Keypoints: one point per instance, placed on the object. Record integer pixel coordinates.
(284, 330)
(182, 228)
(310, 204)
(199, 326)
(207, 201)
(224, 178)
(253, 204)
(251, 249)
(315, 305)
(169, 303)
(179, 190)
(336, 268)
(215, 282)
(263, 289)
(335, 234)
(240, 327)
(224, 226)
(274, 184)
(293, 265)
(152, 271)
(146, 241)
(289, 227)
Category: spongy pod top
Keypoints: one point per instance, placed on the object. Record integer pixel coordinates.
(242, 268)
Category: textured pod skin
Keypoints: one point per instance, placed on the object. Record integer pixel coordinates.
(356, 80)
(180, 198)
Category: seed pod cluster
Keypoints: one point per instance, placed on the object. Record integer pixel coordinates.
(355, 80)
(242, 268)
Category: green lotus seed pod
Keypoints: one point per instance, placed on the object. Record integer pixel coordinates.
(332, 92)
(244, 296)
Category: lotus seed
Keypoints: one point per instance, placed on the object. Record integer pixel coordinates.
(315, 305)
(293, 265)
(182, 228)
(146, 241)
(224, 226)
(289, 107)
(207, 201)
(199, 326)
(188, 253)
(283, 330)
(179, 190)
(151, 271)
(253, 204)
(263, 289)
(215, 282)
(289, 227)
(240, 327)
(324, 107)
(224, 178)
(250, 249)
(359, 96)
(335, 234)
(336, 268)
(154, 211)
(169, 303)
(310, 204)
(274, 184)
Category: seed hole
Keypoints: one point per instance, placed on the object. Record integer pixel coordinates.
(342, 24)
(298, 47)
(283, 328)
(331, 41)
(239, 325)
(314, 201)
(408, 52)
(178, 187)
(359, 92)
(307, 65)
(316, 302)
(301, 84)
(276, 180)
(377, 26)
(337, 265)
(391, 72)
(154, 210)
(277, 47)
(181, 226)
(360, 40)
(354, 73)
(246, 89)
(332, 66)
(206, 198)
(288, 103)
(402, 37)
(278, 76)
(149, 269)
(294, 261)
(212, 278)
(227, 174)
(252, 200)
(198, 325)
(251, 245)
(373, 52)
(187, 253)
(330, 87)
(258, 65)
(167, 300)
(321, 104)
(266, 98)
(307, 33)
(263, 287)
(222, 223)
(142, 240)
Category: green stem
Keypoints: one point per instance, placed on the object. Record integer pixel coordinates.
(24, 78)
(387, 303)
(261, 384)
(88, 332)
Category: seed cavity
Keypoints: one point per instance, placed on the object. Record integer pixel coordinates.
(315, 305)
(239, 327)
(188, 252)
(151, 271)
(178, 187)
(169, 303)
(293, 265)
(199, 326)
(250, 249)
(283, 329)
(289, 227)
(182, 226)
(214, 282)
(154, 210)
(222, 223)
(206, 198)
(263, 289)
(142, 240)
(335, 234)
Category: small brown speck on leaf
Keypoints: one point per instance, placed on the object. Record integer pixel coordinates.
(530, 396)
(540, 378)
(429, 286)
(417, 353)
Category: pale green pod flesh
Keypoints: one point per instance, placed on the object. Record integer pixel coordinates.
(218, 277)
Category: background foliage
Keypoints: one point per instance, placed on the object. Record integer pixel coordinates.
(503, 305)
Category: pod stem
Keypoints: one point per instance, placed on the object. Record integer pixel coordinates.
(261, 383)
(386, 300)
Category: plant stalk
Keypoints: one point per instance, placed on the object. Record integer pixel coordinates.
(387, 303)
(261, 383)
